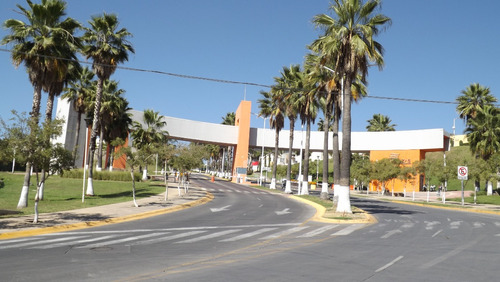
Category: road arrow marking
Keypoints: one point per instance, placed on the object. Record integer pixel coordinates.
(220, 209)
(285, 211)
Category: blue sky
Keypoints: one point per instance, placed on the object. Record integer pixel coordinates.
(433, 50)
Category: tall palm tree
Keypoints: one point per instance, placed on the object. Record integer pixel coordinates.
(350, 38)
(229, 119)
(473, 99)
(271, 106)
(107, 46)
(77, 93)
(289, 87)
(308, 109)
(38, 44)
(379, 122)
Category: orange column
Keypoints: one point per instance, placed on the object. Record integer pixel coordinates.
(240, 157)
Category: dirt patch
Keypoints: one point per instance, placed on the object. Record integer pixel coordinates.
(357, 214)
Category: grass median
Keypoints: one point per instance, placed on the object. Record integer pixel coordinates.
(62, 194)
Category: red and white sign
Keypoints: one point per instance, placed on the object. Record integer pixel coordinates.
(463, 172)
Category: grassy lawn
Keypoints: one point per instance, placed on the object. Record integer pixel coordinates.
(481, 199)
(66, 194)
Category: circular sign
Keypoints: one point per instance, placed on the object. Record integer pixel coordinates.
(462, 172)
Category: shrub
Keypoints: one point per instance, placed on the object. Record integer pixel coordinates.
(103, 175)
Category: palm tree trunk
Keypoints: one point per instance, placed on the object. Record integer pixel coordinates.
(93, 135)
(35, 111)
(326, 128)
(288, 188)
(335, 149)
(48, 118)
(344, 201)
(99, 152)
(77, 135)
(275, 162)
(305, 182)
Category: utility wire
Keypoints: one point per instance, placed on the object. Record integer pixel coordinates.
(226, 81)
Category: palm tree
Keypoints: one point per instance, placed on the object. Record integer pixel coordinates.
(380, 122)
(149, 133)
(321, 125)
(77, 94)
(38, 44)
(271, 106)
(107, 47)
(308, 109)
(474, 98)
(483, 133)
(229, 119)
(349, 37)
(289, 83)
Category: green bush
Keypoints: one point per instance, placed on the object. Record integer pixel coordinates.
(103, 175)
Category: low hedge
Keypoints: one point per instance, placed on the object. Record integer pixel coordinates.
(103, 175)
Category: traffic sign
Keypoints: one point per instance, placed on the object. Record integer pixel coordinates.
(463, 172)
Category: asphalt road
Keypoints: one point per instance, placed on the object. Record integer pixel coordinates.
(246, 234)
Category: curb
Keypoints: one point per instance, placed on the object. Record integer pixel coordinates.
(81, 225)
(320, 212)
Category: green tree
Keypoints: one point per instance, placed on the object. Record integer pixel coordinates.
(39, 43)
(107, 46)
(288, 85)
(474, 98)
(77, 94)
(271, 107)
(380, 122)
(385, 170)
(350, 38)
(148, 133)
(483, 133)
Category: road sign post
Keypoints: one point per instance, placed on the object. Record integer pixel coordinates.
(463, 174)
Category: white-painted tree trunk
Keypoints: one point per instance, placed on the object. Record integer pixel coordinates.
(145, 174)
(288, 187)
(23, 199)
(90, 187)
(273, 184)
(490, 189)
(40, 193)
(344, 201)
(305, 188)
(324, 191)
(98, 168)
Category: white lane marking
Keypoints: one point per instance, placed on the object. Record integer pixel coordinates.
(167, 238)
(455, 224)
(285, 232)
(209, 236)
(435, 234)
(248, 235)
(390, 233)
(318, 231)
(348, 230)
(50, 246)
(408, 225)
(16, 240)
(41, 242)
(390, 263)
(429, 225)
(478, 224)
(123, 240)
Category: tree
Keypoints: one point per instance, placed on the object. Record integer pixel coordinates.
(380, 122)
(149, 132)
(385, 170)
(288, 85)
(107, 47)
(350, 39)
(38, 44)
(474, 98)
(271, 107)
(229, 119)
(483, 131)
(77, 93)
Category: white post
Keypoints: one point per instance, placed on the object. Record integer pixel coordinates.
(262, 153)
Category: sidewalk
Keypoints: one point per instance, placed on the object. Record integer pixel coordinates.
(421, 199)
(100, 215)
